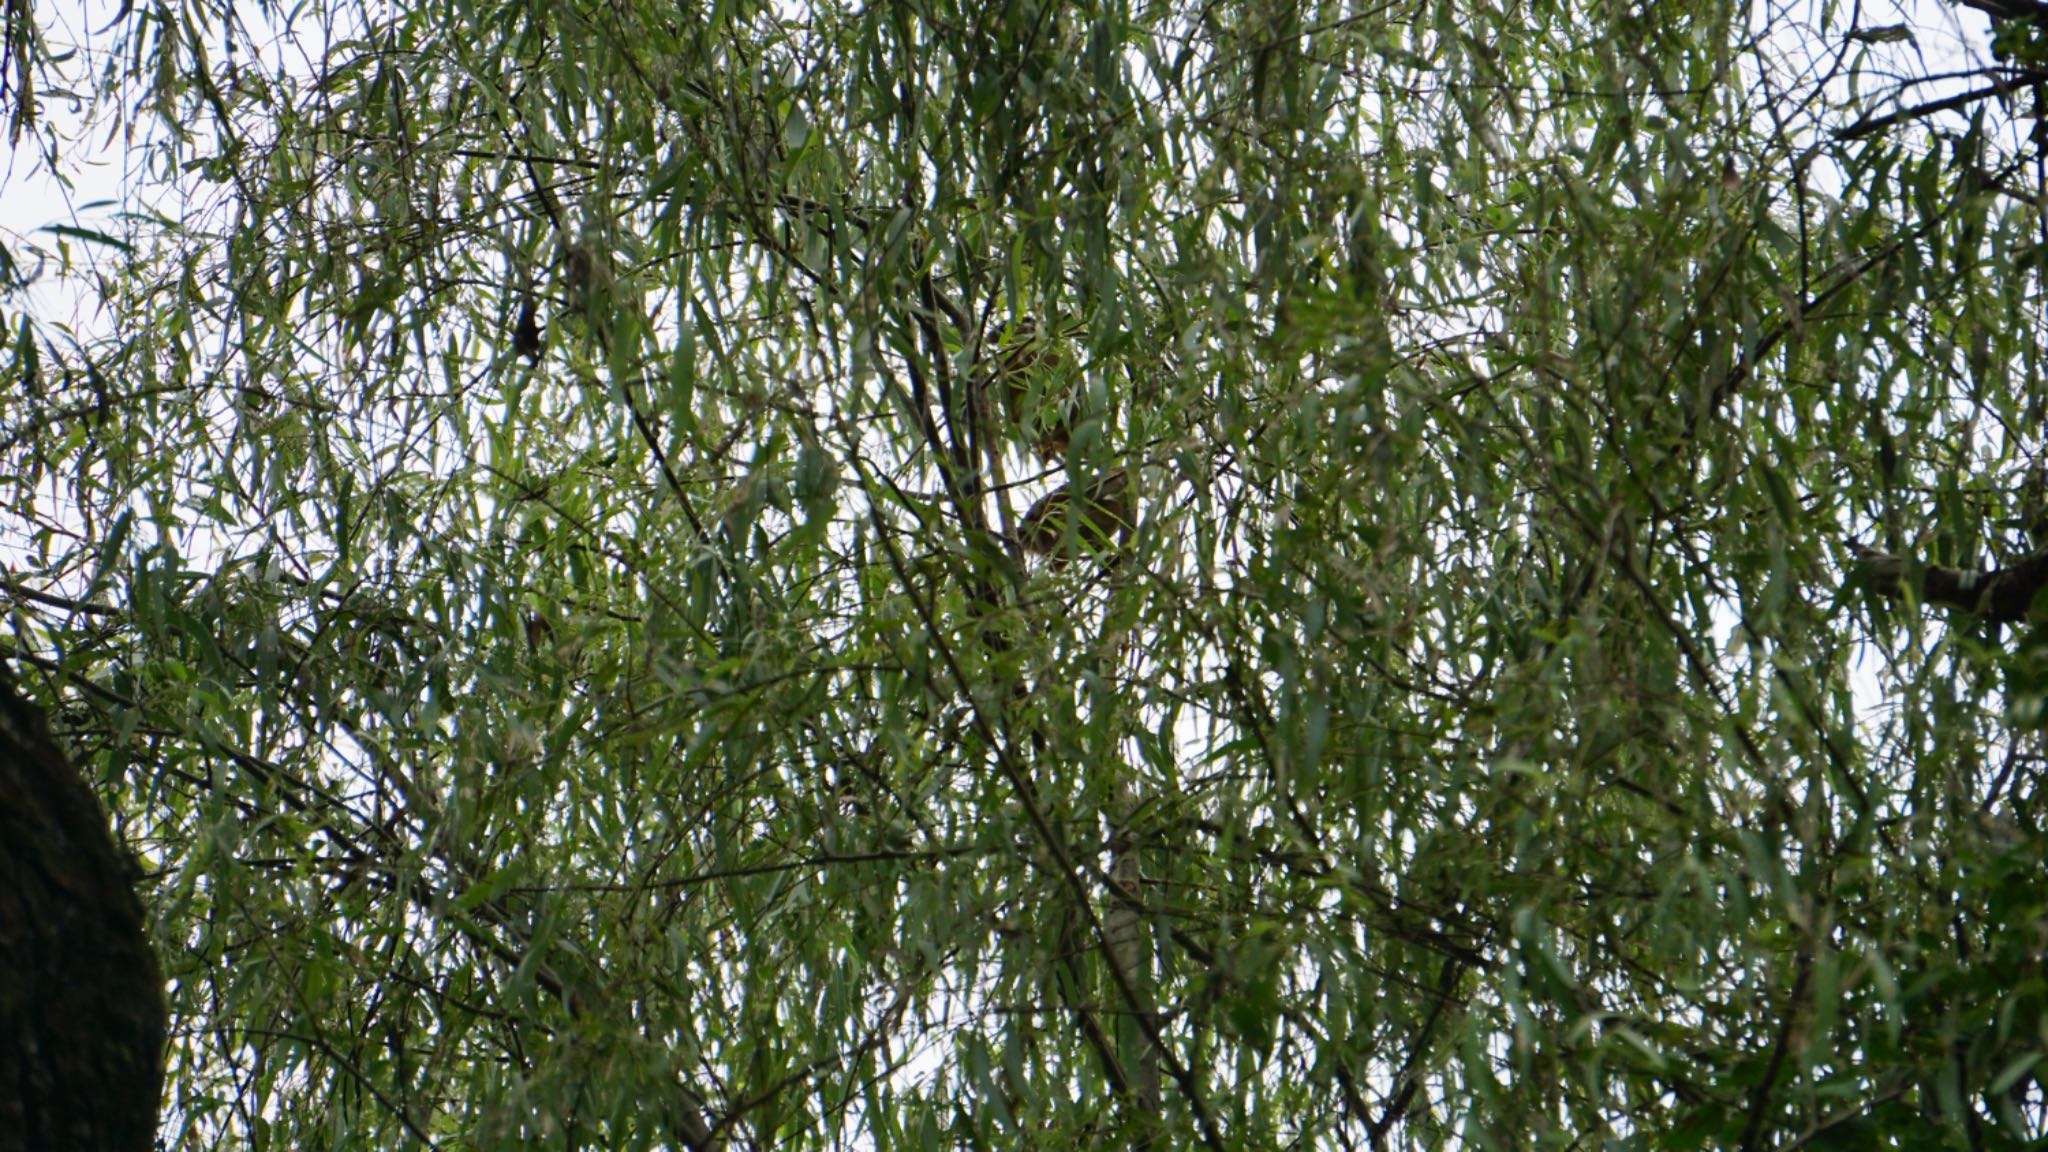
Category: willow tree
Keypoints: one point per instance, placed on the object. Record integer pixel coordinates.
(1051, 575)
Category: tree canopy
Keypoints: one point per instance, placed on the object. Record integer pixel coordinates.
(1056, 575)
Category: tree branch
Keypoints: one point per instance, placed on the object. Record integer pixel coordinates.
(2003, 594)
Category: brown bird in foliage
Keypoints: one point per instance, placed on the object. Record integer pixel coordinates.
(1030, 358)
(1107, 513)
(526, 333)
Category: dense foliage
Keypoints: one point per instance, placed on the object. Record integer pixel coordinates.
(1046, 575)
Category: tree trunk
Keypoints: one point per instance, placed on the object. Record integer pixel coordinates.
(82, 1013)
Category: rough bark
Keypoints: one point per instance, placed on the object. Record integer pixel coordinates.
(82, 1013)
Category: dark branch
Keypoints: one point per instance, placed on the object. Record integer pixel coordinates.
(2002, 10)
(2002, 594)
(1871, 126)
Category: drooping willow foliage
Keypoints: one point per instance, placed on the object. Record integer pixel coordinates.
(1045, 575)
